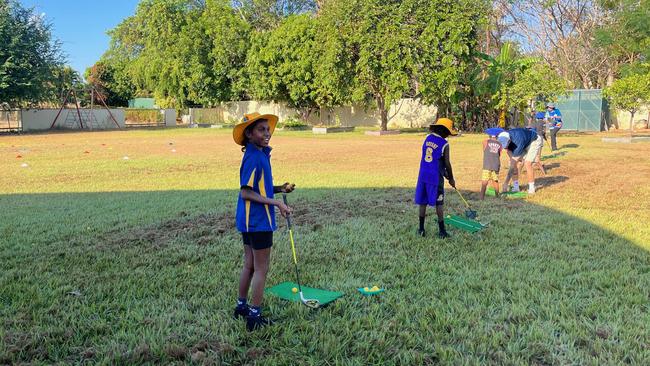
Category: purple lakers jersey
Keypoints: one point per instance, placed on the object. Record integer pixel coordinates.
(431, 165)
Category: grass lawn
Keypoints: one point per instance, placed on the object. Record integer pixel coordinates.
(120, 248)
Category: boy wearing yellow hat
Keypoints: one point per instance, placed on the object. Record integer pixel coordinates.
(256, 212)
(434, 167)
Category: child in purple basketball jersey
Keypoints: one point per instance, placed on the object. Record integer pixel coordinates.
(434, 167)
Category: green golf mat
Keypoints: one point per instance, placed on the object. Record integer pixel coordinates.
(283, 291)
(558, 154)
(463, 223)
(491, 192)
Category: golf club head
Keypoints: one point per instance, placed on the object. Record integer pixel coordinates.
(311, 303)
(471, 214)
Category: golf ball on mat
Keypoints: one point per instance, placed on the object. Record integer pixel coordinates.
(294, 290)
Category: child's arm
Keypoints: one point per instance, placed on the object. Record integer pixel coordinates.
(450, 173)
(248, 194)
(285, 188)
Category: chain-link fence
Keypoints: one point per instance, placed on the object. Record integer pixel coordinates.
(584, 110)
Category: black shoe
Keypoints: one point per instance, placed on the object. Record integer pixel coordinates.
(240, 312)
(256, 322)
(443, 234)
(421, 232)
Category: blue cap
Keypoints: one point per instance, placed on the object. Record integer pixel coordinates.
(494, 131)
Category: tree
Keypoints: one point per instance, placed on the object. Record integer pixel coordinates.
(64, 79)
(29, 56)
(562, 33)
(626, 33)
(513, 82)
(109, 83)
(446, 49)
(630, 93)
(220, 52)
(264, 15)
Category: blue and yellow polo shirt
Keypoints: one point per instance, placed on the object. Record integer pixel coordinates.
(255, 172)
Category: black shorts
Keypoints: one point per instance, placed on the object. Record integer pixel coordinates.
(258, 239)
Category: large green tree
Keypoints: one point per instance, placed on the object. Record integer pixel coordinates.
(220, 53)
(30, 59)
(283, 66)
(626, 34)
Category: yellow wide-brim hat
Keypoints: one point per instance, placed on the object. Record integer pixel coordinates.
(448, 124)
(250, 118)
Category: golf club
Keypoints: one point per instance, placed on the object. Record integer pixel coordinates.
(312, 303)
(471, 214)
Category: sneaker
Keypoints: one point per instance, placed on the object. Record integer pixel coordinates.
(240, 312)
(443, 234)
(421, 232)
(514, 189)
(256, 322)
(531, 191)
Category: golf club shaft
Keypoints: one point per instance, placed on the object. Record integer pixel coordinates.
(293, 246)
(462, 198)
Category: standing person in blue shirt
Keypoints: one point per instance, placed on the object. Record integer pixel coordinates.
(435, 165)
(554, 119)
(521, 144)
(256, 212)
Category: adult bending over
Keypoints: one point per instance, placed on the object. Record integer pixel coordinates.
(521, 144)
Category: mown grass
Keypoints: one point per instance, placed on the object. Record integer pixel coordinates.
(114, 261)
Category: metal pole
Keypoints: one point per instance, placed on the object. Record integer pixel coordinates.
(579, 109)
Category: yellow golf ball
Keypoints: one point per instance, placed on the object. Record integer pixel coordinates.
(294, 290)
(366, 289)
(374, 288)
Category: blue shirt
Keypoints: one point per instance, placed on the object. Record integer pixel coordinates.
(255, 172)
(520, 139)
(555, 122)
(431, 164)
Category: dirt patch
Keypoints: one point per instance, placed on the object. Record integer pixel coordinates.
(256, 353)
(140, 354)
(333, 210)
(176, 352)
(203, 229)
(602, 333)
(22, 346)
(215, 346)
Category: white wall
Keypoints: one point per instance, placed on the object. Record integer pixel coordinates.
(41, 119)
(170, 117)
(405, 113)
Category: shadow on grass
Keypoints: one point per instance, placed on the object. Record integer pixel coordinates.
(551, 166)
(150, 277)
(569, 146)
(545, 182)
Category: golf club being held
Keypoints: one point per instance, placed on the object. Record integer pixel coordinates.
(469, 213)
(312, 303)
